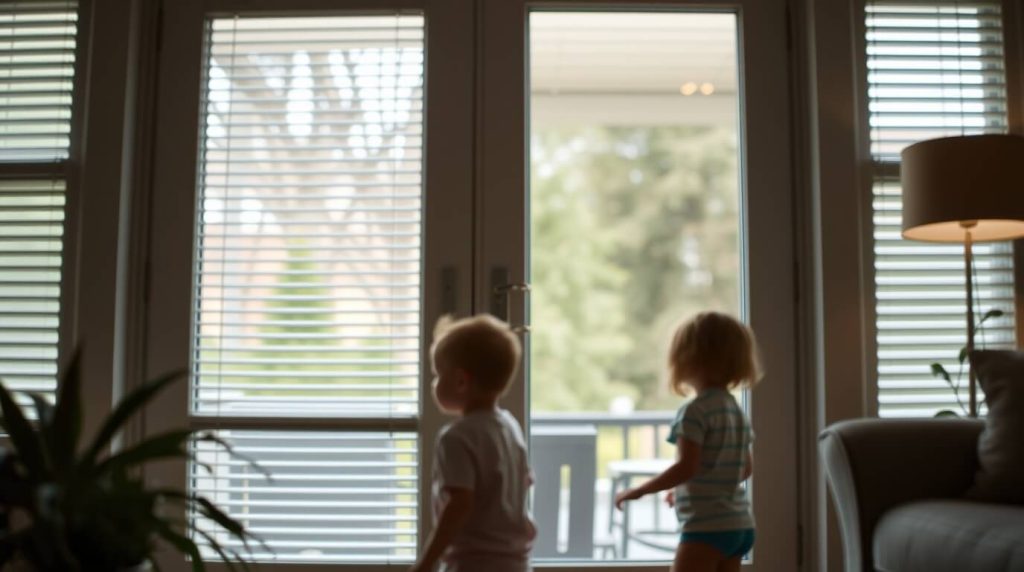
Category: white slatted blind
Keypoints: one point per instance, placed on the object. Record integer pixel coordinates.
(308, 275)
(37, 66)
(31, 247)
(334, 497)
(934, 69)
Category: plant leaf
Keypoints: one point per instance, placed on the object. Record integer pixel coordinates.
(993, 313)
(213, 438)
(226, 522)
(44, 409)
(947, 413)
(169, 445)
(214, 513)
(67, 415)
(939, 371)
(184, 545)
(127, 407)
(26, 442)
(963, 355)
(229, 561)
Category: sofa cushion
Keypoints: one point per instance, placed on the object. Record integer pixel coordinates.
(950, 535)
(1000, 476)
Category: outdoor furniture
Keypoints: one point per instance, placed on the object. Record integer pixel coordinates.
(553, 448)
(622, 474)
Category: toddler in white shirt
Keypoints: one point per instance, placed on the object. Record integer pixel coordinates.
(481, 474)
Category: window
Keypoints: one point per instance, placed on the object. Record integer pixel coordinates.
(307, 280)
(933, 70)
(37, 66)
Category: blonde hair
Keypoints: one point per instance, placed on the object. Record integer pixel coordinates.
(483, 346)
(715, 348)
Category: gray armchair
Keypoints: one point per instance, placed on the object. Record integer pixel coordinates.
(898, 488)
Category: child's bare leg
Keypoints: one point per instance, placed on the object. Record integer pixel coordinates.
(696, 557)
(730, 564)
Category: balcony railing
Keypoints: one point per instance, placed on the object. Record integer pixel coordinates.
(605, 452)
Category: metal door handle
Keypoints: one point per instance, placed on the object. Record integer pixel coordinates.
(501, 292)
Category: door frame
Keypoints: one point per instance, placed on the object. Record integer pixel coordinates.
(768, 245)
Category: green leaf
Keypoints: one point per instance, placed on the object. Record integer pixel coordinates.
(67, 423)
(215, 514)
(26, 442)
(963, 355)
(229, 560)
(993, 313)
(128, 407)
(939, 371)
(212, 512)
(213, 438)
(947, 413)
(44, 409)
(184, 545)
(169, 445)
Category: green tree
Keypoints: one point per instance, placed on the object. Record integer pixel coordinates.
(633, 229)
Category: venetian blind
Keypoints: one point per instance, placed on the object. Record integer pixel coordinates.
(308, 278)
(934, 69)
(37, 66)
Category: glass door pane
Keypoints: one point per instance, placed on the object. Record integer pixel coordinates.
(634, 224)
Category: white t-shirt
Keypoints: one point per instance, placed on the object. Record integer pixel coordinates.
(484, 452)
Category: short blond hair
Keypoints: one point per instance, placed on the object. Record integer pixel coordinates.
(483, 346)
(715, 348)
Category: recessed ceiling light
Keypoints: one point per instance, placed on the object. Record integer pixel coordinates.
(707, 88)
(688, 88)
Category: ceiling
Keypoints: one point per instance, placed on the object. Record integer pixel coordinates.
(615, 52)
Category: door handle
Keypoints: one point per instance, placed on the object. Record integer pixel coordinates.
(501, 294)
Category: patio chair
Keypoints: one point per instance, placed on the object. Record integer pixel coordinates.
(553, 447)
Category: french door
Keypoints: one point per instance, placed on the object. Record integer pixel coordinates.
(634, 169)
(332, 176)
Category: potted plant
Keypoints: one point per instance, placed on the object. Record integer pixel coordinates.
(67, 507)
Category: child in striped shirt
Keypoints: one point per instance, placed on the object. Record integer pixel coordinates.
(711, 354)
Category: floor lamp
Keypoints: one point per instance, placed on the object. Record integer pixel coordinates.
(964, 190)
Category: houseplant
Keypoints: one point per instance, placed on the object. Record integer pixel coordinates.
(939, 371)
(69, 507)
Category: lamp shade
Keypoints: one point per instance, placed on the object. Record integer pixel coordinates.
(953, 180)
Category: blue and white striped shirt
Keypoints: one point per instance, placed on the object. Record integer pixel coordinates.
(714, 499)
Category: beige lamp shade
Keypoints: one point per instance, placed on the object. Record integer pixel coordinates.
(953, 180)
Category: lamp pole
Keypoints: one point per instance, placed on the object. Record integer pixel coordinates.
(972, 388)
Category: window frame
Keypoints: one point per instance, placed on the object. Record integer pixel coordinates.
(871, 170)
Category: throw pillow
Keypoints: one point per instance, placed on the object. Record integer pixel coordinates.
(1000, 477)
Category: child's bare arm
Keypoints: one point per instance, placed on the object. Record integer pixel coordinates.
(453, 516)
(748, 469)
(678, 473)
